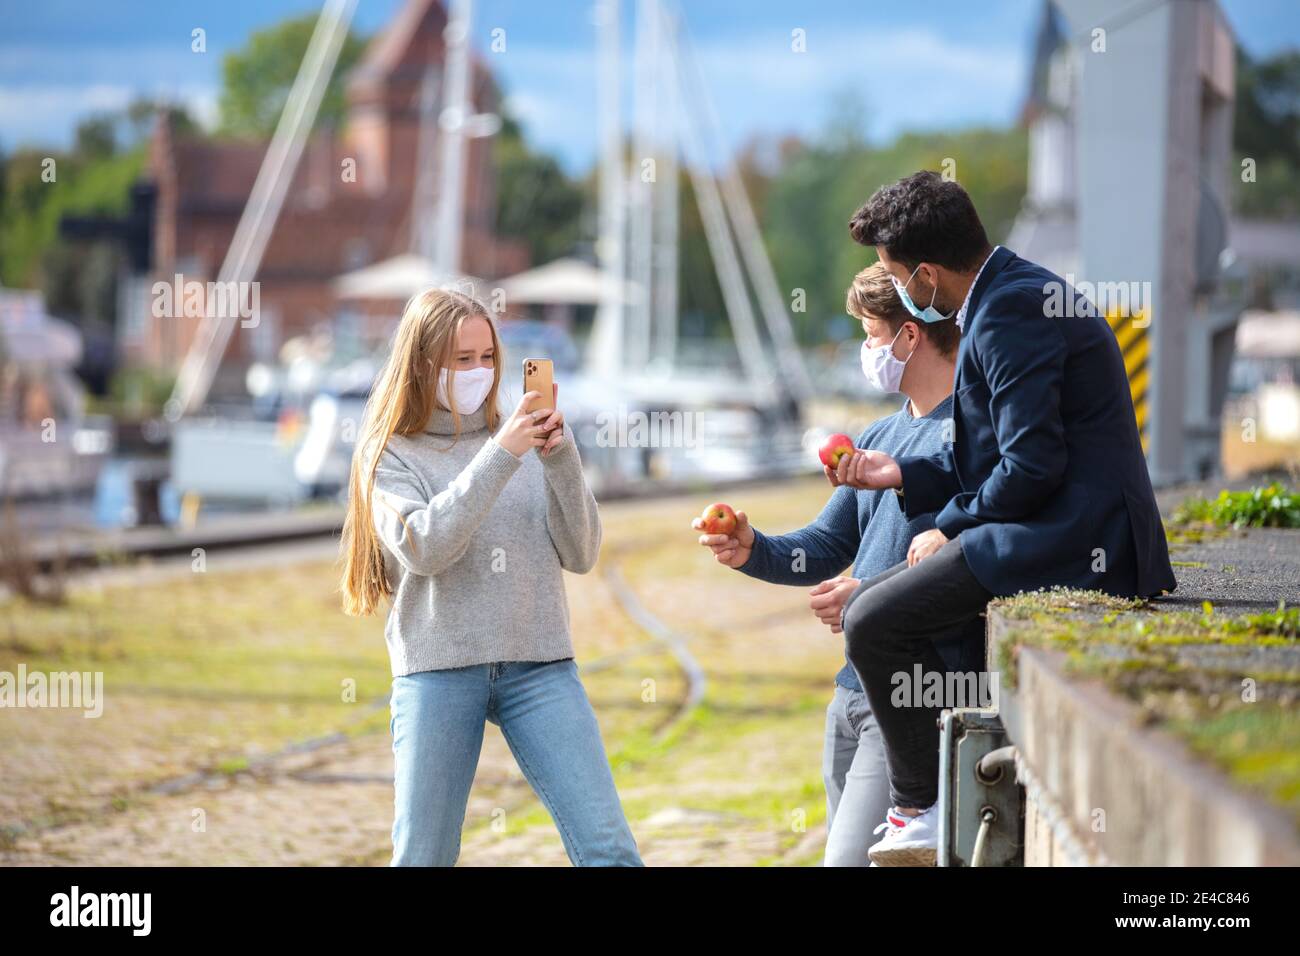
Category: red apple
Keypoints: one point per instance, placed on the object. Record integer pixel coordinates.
(719, 519)
(836, 447)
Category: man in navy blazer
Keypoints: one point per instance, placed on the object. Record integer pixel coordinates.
(1045, 482)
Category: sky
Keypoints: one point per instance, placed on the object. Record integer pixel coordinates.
(908, 65)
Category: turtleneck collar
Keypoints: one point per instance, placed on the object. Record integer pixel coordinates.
(441, 422)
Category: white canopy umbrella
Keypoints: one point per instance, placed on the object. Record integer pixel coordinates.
(400, 278)
(562, 282)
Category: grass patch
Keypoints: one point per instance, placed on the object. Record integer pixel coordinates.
(1272, 506)
(203, 670)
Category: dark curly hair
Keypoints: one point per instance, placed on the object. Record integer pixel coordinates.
(923, 218)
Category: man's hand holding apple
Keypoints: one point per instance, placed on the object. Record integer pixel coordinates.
(726, 533)
(866, 471)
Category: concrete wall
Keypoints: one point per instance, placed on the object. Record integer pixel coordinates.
(1103, 788)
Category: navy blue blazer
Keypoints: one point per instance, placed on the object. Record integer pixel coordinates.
(1045, 480)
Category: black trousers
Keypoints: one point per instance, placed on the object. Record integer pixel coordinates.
(896, 621)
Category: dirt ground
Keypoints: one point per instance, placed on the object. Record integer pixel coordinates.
(245, 719)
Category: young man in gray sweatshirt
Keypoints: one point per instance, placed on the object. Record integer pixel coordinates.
(862, 529)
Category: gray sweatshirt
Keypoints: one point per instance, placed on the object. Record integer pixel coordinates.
(476, 571)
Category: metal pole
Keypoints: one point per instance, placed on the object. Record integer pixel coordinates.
(244, 256)
(666, 232)
(606, 353)
(451, 125)
(424, 207)
(645, 148)
(722, 247)
(750, 239)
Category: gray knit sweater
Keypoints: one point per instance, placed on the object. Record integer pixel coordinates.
(476, 570)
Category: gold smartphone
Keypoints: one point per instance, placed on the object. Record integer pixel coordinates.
(539, 376)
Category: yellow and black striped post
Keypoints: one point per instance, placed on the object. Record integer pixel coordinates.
(1131, 333)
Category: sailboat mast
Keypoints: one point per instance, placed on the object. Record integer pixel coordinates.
(253, 232)
(607, 335)
(666, 232)
(644, 181)
(452, 126)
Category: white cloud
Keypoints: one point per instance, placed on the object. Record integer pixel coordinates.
(907, 78)
(48, 115)
(45, 90)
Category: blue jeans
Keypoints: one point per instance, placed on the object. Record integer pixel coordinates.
(546, 719)
(857, 784)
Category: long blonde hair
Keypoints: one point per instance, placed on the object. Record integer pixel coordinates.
(401, 401)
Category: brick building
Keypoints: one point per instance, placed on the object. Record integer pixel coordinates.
(328, 225)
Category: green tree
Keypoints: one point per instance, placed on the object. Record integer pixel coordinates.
(804, 193)
(810, 199)
(699, 294)
(96, 136)
(536, 202)
(256, 79)
(140, 116)
(1266, 131)
(1266, 121)
(79, 279)
(94, 176)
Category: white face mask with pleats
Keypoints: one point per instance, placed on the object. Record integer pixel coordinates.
(471, 387)
(882, 368)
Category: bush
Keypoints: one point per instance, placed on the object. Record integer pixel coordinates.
(1269, 507)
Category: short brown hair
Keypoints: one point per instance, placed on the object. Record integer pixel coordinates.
(872, 296)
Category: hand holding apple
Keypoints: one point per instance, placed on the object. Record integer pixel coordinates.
(718, 519)
(726, 533)
(866, 471)
(835, 448)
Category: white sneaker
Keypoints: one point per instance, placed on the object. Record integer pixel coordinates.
(908, 841)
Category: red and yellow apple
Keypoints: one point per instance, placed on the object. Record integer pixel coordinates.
(719, 519)
(835, 448)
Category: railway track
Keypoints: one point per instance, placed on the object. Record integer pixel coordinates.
(79, 549)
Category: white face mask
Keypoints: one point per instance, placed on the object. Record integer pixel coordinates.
(883, 369)
(471, 387)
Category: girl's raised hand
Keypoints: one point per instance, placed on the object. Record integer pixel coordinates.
(524, 429)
